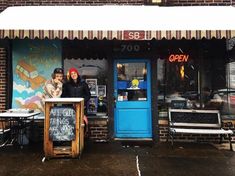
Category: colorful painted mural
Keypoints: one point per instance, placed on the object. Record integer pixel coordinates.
(33, 61)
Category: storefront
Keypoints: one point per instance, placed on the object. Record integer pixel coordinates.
(135, 66)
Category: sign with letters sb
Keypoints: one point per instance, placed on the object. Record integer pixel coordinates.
(134, 35)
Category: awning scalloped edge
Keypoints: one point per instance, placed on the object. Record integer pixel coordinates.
(119, 34)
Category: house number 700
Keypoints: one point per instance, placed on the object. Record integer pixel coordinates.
(130, 48)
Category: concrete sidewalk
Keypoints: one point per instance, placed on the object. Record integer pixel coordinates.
(117, 159)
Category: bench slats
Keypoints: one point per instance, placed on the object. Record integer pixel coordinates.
(210, 125)
(196, 122)
(201, 131)
(194, 118)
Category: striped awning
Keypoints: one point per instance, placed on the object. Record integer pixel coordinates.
(117, 22)
(119, 35)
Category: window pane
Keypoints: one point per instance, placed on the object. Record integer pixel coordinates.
(131, 81)
(199, 75)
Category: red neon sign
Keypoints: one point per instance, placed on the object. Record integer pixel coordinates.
(178, 58)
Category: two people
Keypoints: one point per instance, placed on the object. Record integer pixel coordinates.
(73, 87)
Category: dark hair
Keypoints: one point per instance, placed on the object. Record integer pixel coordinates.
(72, 81)
(57, 71)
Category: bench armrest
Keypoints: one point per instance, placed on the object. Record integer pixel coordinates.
(228, 125)
(171, 124)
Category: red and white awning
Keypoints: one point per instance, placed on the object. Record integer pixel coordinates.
(117, 22)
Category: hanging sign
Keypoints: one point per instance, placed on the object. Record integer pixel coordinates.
(134, 35)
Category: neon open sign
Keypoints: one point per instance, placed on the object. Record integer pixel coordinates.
(178, 58)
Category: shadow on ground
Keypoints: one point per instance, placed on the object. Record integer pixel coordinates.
(119, 159)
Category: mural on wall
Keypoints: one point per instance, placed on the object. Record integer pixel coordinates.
(33, 61)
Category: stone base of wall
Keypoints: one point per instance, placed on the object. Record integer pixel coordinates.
(163, 134)
(98, 129)
(98, 132)
(36, 131)
(197, 2)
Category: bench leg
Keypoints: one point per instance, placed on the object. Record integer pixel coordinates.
(167, 138)
(230, 142)
(221, 139)
(172, 140)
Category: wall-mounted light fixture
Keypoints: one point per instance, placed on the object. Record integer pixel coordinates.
(156, 1)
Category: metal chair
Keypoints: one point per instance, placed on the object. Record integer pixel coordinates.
(5, 132)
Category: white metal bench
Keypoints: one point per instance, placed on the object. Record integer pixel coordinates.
(188, 121)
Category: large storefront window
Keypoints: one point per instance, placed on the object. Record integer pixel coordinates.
(89, 58)
(94, 72)
(197, 75)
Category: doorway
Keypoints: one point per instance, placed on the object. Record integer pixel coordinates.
(132, 93)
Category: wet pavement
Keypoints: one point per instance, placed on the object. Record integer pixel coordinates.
(122, 159)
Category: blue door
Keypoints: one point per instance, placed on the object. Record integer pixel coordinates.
(132, 92)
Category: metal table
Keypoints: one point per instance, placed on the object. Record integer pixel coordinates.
(18, 122)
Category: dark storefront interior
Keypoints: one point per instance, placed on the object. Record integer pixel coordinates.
(198, 72)
(195, 71)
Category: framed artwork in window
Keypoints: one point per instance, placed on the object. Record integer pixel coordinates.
(101, 90)
(92, 84)
(92, 105)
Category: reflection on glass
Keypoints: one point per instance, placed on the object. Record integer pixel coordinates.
(203, 81)
(132, 83)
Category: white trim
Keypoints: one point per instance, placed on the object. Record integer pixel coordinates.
(64, 100)
(201, 131)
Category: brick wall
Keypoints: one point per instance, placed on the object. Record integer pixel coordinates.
(3, 4)
(163, 132)
(98, 132)
(197, 2)
(98, 129)
(72, 2)
(3, 79)
(6, 3)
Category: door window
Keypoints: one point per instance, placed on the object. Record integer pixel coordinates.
(132, 81)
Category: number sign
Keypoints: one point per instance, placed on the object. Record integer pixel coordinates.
(62, 124)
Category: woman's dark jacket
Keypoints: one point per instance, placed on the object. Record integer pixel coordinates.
(79, 89)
